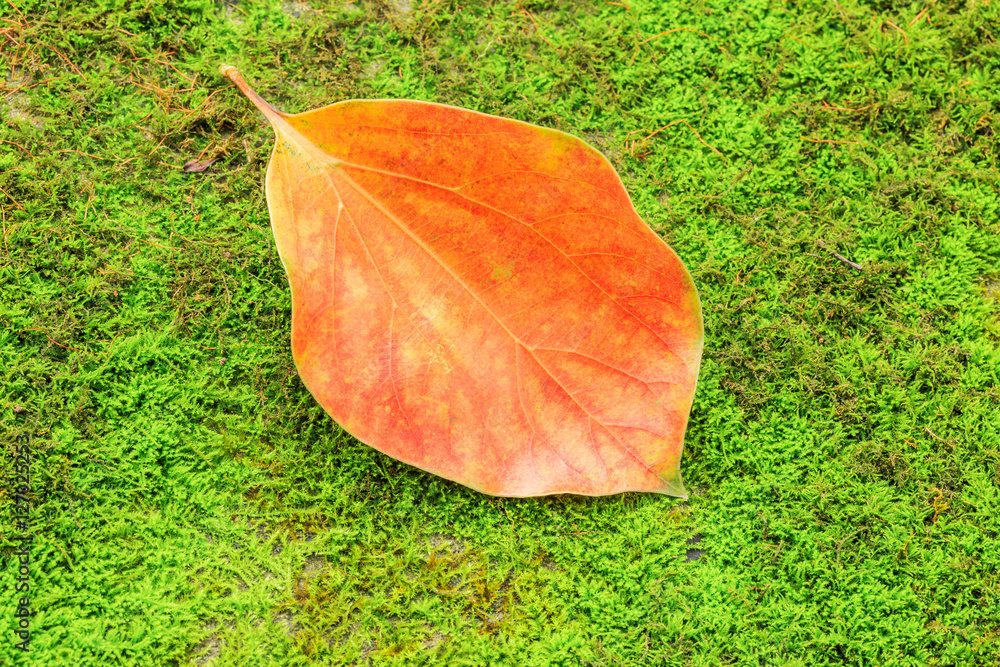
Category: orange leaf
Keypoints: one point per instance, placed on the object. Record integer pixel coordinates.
(477, 297)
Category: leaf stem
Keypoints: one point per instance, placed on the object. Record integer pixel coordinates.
(234, 75)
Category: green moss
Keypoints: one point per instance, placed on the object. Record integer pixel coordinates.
(192, 503)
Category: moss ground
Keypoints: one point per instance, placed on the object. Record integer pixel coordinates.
(191, 504)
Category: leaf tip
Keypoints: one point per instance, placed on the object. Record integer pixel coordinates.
(673, 487)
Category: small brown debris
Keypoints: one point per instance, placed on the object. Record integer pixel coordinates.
(198, 166)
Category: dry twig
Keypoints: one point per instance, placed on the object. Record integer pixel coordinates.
(853, 265)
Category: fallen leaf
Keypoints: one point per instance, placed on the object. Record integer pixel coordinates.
(199, 166)
(477, 297)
